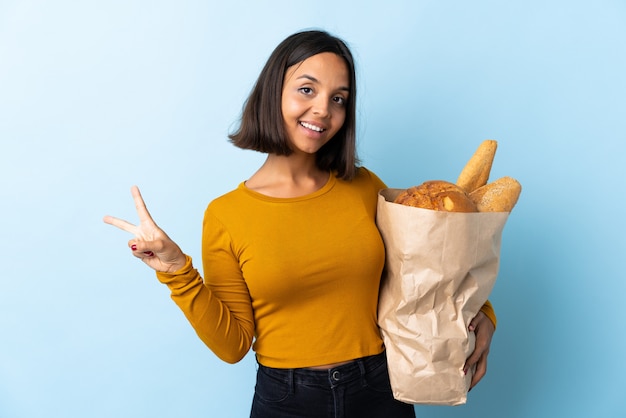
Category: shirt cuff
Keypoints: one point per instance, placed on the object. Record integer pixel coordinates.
(488, 310)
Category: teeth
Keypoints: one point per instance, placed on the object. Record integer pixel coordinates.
(312, 127)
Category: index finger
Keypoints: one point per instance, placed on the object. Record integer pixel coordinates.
(140, 206)
(121, 224)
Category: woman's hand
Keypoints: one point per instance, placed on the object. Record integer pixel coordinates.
(151, 244)
(482, 326)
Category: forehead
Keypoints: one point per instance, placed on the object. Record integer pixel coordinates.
(326, 68)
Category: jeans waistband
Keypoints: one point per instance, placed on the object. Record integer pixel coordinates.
(354, 370)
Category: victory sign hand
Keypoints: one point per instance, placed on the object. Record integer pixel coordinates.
(150, 243)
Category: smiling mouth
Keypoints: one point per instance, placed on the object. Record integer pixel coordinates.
(312, 127)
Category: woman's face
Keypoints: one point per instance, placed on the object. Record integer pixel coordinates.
(315, 92)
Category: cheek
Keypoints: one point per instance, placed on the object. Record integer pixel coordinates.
(340, 119)
(290, 103)
(289, 108)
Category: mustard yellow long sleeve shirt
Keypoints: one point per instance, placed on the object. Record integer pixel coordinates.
(295, 278)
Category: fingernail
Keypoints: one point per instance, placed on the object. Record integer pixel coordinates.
(133, 247)
(148, 253)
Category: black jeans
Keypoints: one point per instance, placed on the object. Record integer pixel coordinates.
(359, 389)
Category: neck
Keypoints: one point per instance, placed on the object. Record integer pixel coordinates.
(295, 166)
(288, 176)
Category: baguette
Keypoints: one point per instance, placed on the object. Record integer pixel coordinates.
(498, 196)
(476, 172)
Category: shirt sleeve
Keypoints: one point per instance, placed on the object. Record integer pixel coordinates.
(218, 307)
(377, 183)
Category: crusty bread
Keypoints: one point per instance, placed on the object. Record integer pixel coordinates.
(498, 196)
(437, 195)
(476, 172)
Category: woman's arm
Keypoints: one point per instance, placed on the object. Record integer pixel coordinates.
(225, 323)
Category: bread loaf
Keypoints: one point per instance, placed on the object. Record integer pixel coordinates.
(437, 195)
(498, 196)
(476, 172)
(471, 193)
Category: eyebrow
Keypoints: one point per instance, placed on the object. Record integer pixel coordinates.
(315, 80)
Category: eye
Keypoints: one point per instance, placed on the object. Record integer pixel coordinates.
(339, 100)
(306, 90)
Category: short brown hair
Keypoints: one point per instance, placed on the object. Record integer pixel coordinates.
(262, 127)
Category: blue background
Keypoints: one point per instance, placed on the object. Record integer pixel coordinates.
(98, 96)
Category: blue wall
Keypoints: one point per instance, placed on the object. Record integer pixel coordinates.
(98, 96)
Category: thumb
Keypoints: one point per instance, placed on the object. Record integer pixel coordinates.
(475, 321)
(140, 248)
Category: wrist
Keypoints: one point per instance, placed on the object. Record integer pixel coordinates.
(180, 265)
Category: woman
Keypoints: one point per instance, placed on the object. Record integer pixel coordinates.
(292, 257)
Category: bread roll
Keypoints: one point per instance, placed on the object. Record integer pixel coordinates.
(476, 172)
(498, 196)
(437, 195)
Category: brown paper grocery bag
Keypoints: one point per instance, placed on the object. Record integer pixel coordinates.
(440, 269)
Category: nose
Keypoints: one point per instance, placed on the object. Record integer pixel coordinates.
(321, 106)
